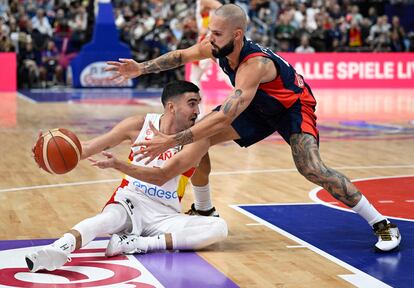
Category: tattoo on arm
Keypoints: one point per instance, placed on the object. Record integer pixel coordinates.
(184, 137)
(264, 60)
(165, 62)
(235, 101)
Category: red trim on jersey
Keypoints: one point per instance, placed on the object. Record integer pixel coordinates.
(256, 54)
(189, 172)
(275, 88)
(308, 113)
(123, 184)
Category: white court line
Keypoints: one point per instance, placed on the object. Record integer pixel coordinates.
(295, 246)
(24, 97)
(409, 201)
(385, 201)
(220, 173)
(360, 279)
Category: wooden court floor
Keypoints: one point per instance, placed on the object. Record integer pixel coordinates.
(33, 206)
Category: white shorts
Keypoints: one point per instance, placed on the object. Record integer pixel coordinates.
(150, 218)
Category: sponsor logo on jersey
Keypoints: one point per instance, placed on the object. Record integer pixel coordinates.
(154, 191)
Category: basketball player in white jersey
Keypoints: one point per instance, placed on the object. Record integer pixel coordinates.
(146, 216)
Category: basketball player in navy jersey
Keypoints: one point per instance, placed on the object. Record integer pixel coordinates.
(268, 96)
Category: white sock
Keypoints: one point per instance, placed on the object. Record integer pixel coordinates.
(202, 197)
(66, 243)
(367, 211)
(155, 242)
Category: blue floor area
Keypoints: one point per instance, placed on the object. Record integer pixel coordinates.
(345, 236)
(69, 94)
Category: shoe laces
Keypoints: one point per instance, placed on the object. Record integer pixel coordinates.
(193, 211)
(386, 233)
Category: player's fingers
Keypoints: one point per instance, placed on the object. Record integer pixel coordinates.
(115, 76)
(107, 154)
(113, 63)
(124, 60)
(149, 160)
(152, 127)
(119, 80)
(92, 160)
(111, 68)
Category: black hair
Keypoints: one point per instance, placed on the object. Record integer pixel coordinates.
(176, 88)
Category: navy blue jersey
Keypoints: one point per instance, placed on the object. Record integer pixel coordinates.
(285, 88)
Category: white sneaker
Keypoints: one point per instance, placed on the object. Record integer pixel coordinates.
(389, 236)
(125, 244)
(49, 258)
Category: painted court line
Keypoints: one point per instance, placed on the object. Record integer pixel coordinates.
(220, 173)
(295, 246)
(25, 98)
(359, 279)
(313, 195)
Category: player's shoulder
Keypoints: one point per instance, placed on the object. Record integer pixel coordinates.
(133, 122)
(256, 62)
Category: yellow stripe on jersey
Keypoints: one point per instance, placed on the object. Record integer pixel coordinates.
(182, 183)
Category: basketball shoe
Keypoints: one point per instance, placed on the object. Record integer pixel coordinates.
(49, 258)
(389, 236)
(125, 244)
(194, 211)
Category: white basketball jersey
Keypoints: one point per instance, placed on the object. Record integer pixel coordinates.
(171, 192)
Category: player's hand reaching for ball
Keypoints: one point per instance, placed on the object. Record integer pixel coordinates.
(39, 135)
(124, 69)
(110, 162)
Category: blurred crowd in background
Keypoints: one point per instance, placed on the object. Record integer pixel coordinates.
(47, 34)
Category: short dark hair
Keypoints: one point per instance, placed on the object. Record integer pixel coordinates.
(175, 88)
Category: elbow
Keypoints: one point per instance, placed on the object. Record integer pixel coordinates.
(225, 120)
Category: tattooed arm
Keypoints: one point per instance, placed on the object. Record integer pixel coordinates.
(249, 75)
(128, 68)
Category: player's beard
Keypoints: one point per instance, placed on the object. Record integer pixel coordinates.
(223, 51)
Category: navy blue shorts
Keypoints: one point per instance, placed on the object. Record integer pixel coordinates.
(253, 126)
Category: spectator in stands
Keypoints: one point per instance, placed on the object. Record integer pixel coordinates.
(354, 35)
(28, 69)
(50, 71)
(398, 35)
(304, 45)
(41, 23)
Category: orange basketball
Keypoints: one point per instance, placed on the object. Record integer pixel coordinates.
(58, 151)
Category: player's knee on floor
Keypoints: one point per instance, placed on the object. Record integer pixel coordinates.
(220, 229)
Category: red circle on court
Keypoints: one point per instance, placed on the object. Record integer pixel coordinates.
(393, 197)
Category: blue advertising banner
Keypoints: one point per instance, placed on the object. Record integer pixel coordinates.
(88, 66)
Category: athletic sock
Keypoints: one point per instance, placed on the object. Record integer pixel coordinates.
(155, 243)
(368, 212)
(66, 243)
(202, 197)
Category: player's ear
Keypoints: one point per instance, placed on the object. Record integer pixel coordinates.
(238, 34)
(170, 107)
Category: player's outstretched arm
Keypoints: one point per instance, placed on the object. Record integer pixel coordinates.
(250, 74)
(125, 69)
(127, 129)
(187, 158)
